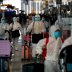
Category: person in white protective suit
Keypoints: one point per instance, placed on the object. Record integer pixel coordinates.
(53, 46)
(60, 21)
(47, 25)
(15, 27)
(36, 28)
(67, 42)
(4, 28)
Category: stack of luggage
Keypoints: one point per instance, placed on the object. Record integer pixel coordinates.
(5, 51)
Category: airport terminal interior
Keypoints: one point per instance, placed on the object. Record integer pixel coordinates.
(35, 35)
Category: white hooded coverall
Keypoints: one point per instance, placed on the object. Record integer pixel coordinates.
(53, 46)
(36, 28)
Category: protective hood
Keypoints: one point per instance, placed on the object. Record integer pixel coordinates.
(14, 19)
(53, 28)
(59, 18)
(2, 20)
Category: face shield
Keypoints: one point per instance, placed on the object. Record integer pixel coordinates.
(37, 18)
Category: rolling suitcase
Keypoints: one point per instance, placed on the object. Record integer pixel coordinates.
(5, 48)
(26, 53)
(2, 68)
(5, 51)
(4, 65)
(33, 67)
(36, 66)
(27, 67)
(65, 59)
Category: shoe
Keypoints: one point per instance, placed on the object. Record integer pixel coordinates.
(13, 54)
(11, 42)
(12, 60)
(16, 49)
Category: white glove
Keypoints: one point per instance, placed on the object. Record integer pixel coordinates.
(6, 36)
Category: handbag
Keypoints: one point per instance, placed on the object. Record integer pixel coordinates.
(15, 33)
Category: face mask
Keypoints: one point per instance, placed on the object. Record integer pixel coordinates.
(37, 19)
(57, 34)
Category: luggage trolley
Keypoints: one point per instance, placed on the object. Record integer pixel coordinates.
(65, 59)
(5, 51)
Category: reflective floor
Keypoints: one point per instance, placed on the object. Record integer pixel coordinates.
(16, 61)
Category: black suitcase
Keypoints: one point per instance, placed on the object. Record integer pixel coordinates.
(38, 67)
(66, 55)
(4, 65)
(27, 67)
(33, 67)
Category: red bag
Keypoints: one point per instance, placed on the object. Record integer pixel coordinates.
(44, 49)
(26, 53)
(26, 37)
(46, 35)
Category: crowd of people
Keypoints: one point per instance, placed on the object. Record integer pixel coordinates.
(40, 27)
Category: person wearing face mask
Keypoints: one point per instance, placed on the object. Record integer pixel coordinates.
(4, 30)
(53, 46)
(36, 28)
(14, 28)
